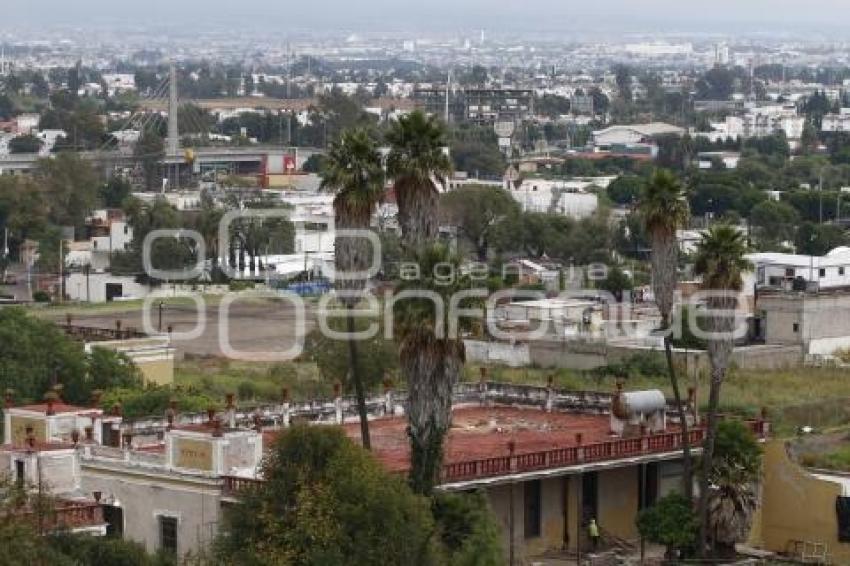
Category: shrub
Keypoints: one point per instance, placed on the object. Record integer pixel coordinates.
(235, 285)
(41, 297)
(670, 522)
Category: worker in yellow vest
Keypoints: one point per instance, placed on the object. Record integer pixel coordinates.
(593, 532)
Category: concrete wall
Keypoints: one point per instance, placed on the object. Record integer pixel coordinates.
(797, 506)
(516, 355)
(618, 502)
(587, 356)
(92, 289)
(194, 502)
(820, 322)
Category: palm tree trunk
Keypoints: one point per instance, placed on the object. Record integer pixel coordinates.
(687, 463)
(357, 380)
(418, 204)
(432, 367)
(708, 458)
(720, 345)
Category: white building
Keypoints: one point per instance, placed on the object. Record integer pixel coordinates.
(27, 123)
(757, 123)
(837, 122)
(628, 134)
(571, 198)
(779, 271)
(119, 82)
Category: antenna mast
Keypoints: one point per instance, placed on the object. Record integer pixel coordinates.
(448, 87)
(173, 130)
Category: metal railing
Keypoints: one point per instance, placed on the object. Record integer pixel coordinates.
(568, 456)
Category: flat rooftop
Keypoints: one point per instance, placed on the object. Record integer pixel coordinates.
(480, 433)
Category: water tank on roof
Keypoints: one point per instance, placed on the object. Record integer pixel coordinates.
(643, 402)
(632, 411)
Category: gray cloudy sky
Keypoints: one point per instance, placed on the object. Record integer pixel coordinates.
(447, 15)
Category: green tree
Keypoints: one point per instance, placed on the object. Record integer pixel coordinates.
(664, 210)
(7, 107)
(672, 523)
(70, 186)
(354, 173)
(819, 239)
(103, 551)
(773, 223)
(324, 500)
(468, 530)
(149, 152)
(114, 192)
(476, 150)
(26, 143)
(616, 282)
(475, 211)
(718, 83)
(721, 263)
(625, 189)
(35, 355)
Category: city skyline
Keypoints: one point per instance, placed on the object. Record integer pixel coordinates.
(500, 16)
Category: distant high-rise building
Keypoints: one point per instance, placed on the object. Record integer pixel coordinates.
(722, 54)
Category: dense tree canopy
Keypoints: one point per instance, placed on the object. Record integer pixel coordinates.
(326, 501)
(476, 212)
(35, 355)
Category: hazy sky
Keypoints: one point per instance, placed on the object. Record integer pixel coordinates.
(437, 15)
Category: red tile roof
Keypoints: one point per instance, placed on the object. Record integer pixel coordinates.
(484, 432)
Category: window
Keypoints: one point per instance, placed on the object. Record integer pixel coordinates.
(841, 270)
(821, 272)
(789, 272)
(796, 327)
(532, 501)
(20, 476)
(168, 534)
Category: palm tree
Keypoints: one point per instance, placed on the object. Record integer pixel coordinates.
(353, 171)
(431, 360)
(417, 162)
(733, 497)
(720, 261)
(664, 210)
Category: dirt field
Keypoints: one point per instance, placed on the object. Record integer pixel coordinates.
(251, 326)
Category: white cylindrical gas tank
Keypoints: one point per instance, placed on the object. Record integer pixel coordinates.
(643, 402)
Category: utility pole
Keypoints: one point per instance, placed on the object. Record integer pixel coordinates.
(61, 270)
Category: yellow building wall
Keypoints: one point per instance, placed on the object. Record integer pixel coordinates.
(193, 454)
(19, 429)
(617, 505)
(551, 517)
(160, 372)
(796, 506)
(618, 502)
